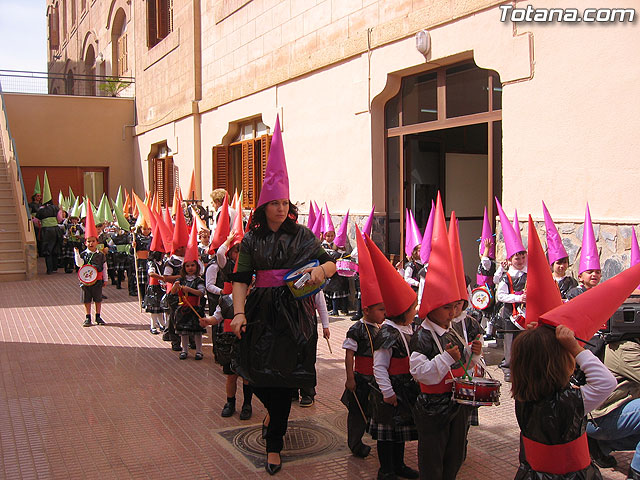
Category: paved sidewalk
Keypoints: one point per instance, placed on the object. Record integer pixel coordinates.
(114, 402)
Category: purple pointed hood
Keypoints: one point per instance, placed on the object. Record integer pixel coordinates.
(312, 215)
(516, 225)
(589, 258)
(368, 225)
(341, 234)
(555, 248)
(487, 233)
(413, 236)
(512, 242)
(276, 179)
(425, 246)
(327, 224)
(317, 226)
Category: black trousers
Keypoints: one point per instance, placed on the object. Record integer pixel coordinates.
(441, 448)
(356, 423)
(277, 401)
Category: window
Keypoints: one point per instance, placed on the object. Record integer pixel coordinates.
(54, 28)
(241, 165)
(159, 20)
(83, 4)
(164, 176)
(120, 64)
(73, 12)
(122, 55)
(64, 18)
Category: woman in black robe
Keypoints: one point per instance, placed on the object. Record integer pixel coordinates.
(278, 333)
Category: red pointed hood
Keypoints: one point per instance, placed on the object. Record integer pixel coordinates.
(456, 257)
(222, 226)
(90, 225)
(191, 253)
(369, 287)
(157, 245)
(180, 231)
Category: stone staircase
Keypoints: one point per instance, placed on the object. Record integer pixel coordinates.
(13, 265)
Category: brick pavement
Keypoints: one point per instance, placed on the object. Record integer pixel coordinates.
(114, 402)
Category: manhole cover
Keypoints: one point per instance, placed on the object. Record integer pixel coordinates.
(304, 439)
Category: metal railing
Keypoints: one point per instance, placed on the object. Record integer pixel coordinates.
(48, 83)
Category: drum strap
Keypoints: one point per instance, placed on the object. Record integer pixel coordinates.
(437, 342)
(557, 459)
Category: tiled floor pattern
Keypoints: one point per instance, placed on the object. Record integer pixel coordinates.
(114, 402)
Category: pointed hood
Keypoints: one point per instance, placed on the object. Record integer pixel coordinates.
(196, 218)
(166, 217)
(234, 202)
(176, 201)
(191, 253)
(75, 209)
(238, 229)
(425, 246)
(166, 231)
(119, 201)
(543, 294)
(192, 186)
(72, 197)
(276, 179)
(246, 228)
(144, 213)
(456, 257)
(589, 258)
(369, 287)
(317, 226)
(222, 226)
(37, 190)
(487, 233)
(312, 216)
(104, 210)
(157, 245)
(586, 313)
(180, 232)
(122, 222)
(61, 202)
(341, 234)
(412, 235)
(327, 223)
(368, 225)
(516, 226)
(397, 295)
(512, 242)
(440, 283)
(126, 208)
(46, 192)
(90, 224)
(635, 251)
(555, 248)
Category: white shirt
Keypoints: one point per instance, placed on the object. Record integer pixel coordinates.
(600, 381)
(80, 262)
(498, 275)
(430, 371)
(350, 343)
(211, 277)
(502, 292)
(382, 360)
(321, 307)
(221, 255)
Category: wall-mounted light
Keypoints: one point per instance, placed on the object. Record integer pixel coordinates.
(423, 42)
(100, 58)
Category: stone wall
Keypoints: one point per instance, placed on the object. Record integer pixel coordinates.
(614, 244)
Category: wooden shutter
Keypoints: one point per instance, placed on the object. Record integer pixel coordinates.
(159, 179)
(170, 15)
(162, 16)
(221, 170)
(171, 175)
(152, 30)
(122, 55)
(250, 175)
(265, 146)
(54, 29)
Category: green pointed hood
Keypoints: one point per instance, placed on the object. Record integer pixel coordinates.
(46, 192)
(37, 190)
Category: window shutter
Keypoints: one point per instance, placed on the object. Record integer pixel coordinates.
(265, 146)
(170, 15)
(171, 176)
(122, 55)
(152, 31)
(158, 179)
(162, 11)
(54, 31)
(249, 177)
(221, 177)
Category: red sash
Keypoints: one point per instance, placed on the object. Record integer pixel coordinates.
(557, 459)
(398, 366)
(226, 326)
(100, 276)
(154, 281)
(443, 386)
(364, 365)
(227, 288)
(191, 300)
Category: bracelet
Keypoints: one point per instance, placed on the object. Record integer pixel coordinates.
(323, 272)
(236, 314)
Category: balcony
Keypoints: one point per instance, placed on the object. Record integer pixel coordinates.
(47, 83)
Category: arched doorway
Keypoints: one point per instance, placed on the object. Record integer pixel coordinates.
(90, 70)
(119, 59)
(444, 133)
(69, 87)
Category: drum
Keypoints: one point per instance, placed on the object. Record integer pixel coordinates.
(346, 268)
(519, 318)
(88, 275)
(305, 290)
(481, 298)
(477, 391)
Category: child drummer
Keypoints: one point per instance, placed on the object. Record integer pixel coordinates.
(92, 256)
(437, 354)
(359, 349)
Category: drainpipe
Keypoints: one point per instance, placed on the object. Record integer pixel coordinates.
(197, 90)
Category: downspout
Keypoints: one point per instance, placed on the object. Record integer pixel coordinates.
(197, 89)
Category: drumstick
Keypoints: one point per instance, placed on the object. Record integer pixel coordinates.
(359, 406)
(329, 345)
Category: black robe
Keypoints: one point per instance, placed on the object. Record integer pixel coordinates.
(278, 348)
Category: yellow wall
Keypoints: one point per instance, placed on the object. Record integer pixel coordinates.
(53, 130)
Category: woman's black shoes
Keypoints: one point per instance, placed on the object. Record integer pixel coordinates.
(273, 468)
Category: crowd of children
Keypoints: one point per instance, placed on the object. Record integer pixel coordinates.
(413, 339)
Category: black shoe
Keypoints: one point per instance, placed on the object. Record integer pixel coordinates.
(133, 294)
(99, 321)
(598, 456)
(228, 409)
(406, 472)
(356, 317)
(118, 286)
(154, 331)
(104, 297)
(306, 401)
(192, 346)
(87, 323)
(273, 468)
(334, 314)
(386, 475)
(176, 348)
(503, 364)
(199, 356)
(246, 412)
(183, 355)
(361, 451)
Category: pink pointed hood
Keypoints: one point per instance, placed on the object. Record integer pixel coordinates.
(368, 225)
(276, 179)
(555, 248)
(487, 233)
(312, 215)
(516, 225)
(635, 251)
(412, 235)
(317, 226)
(341, 234)
(589, 258)
(327, 224)
(512, 242)
(425, 246)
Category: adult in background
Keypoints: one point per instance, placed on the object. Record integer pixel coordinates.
(50, 233)
(217, 197)
(278, 333)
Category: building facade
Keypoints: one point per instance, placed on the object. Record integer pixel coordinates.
(381, 102)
